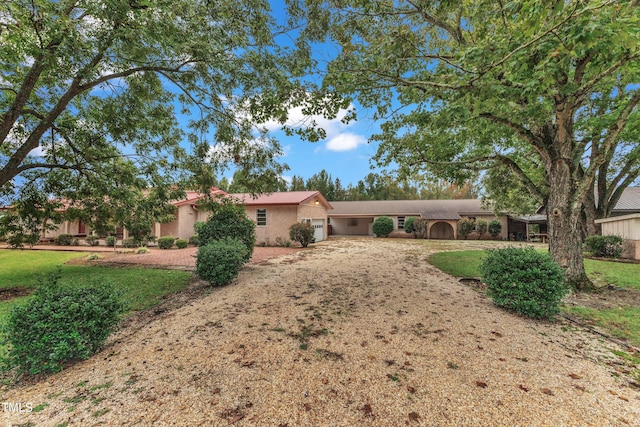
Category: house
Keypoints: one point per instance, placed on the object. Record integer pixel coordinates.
(274, 213)
(356, 218)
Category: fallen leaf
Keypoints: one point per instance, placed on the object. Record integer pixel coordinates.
(410, 389)
(368, 410)
(497, 334)
(502, 359)
(307, 407)
(623, 398)
(235, 418)
(481, 384)
(523, 388)
(579, 387)
(363, 344)
(390, 362)
(413, 416)
(325, 381)
(547, 391)
(613, 392)
(575, 376)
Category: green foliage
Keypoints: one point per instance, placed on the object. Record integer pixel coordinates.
(301, 232)
(181, 243)
(408, 225)
(60, 324)
(219, 261)
(143, 250)
(481, 227)
(465, 227)
(524, 281)
(479, 86)
(283, 243)
(166, 242)
(64, 239)
(110, 241)
(130, 243)
(92, 240)
(495, 228)
(194, 240)
(604, 246)
(228, 219)
(382, 226)
(420, 228)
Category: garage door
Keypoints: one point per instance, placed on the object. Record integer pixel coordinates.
(318, 227)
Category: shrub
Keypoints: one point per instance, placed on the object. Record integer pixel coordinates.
(494, 227)
(228, 220)
(604, 246)
(408, 225)
(524, 281)
(219, 261)
(60, 324)
(64, 239)
(19, 239)
(166, 242)
(142, 250)
(382, 226)
(283, 243)
(481, 227)
(129, 243)
(302, 232)
(110, 241)
(194, 240)
(465, 227)
(181, 243)
(92, 240)
(420, 228)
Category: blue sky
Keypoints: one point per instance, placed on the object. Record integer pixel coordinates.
(344, 154)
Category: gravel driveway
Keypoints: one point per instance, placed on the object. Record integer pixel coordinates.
(353, 332)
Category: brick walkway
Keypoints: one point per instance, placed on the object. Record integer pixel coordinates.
(181, 259)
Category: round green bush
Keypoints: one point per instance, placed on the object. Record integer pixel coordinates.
(194, 240)
(64, 239)
(219, 261)
(60, 324)
(382, 226)
(494, 227)
(110, 241)
(228, 220)
(302, 232)
(166, 242)
(181, 243)
(465, 226)
(524, 281)
(92, 240)
(129, 243)
(408, 225)
(604, 246)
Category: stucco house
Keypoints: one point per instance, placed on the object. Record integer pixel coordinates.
(356, 218)
(625, 222)
(274, 213)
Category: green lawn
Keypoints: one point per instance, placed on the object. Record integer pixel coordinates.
(623, 322)
(143, 287)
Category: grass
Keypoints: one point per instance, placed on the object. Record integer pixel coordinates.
(143, 287)
(623, 322)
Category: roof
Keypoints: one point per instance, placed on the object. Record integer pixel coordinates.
(538, 218)
(192, 197)
(282, 198)
(618, 218)
(629, 200)
(449, 209)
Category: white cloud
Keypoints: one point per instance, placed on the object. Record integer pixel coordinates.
(345, 142)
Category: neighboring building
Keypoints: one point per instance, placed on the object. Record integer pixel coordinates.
(627, 227)
(356, 218)
(274, 213)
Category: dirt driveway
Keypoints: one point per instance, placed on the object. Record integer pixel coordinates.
(352, 332)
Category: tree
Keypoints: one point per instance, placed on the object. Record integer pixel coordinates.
(297, 184)
(485, 84)
(92, 89)
(323, 183)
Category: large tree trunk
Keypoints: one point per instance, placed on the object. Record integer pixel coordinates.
(565, 225)
(565, 207)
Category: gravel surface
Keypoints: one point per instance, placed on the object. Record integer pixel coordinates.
(353, 332)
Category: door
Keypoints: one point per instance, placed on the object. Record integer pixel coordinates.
(318, 229)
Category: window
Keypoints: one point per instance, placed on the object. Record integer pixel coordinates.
(261, 216)
(400, 223)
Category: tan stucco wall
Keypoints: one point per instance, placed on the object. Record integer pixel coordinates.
(279, 219)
